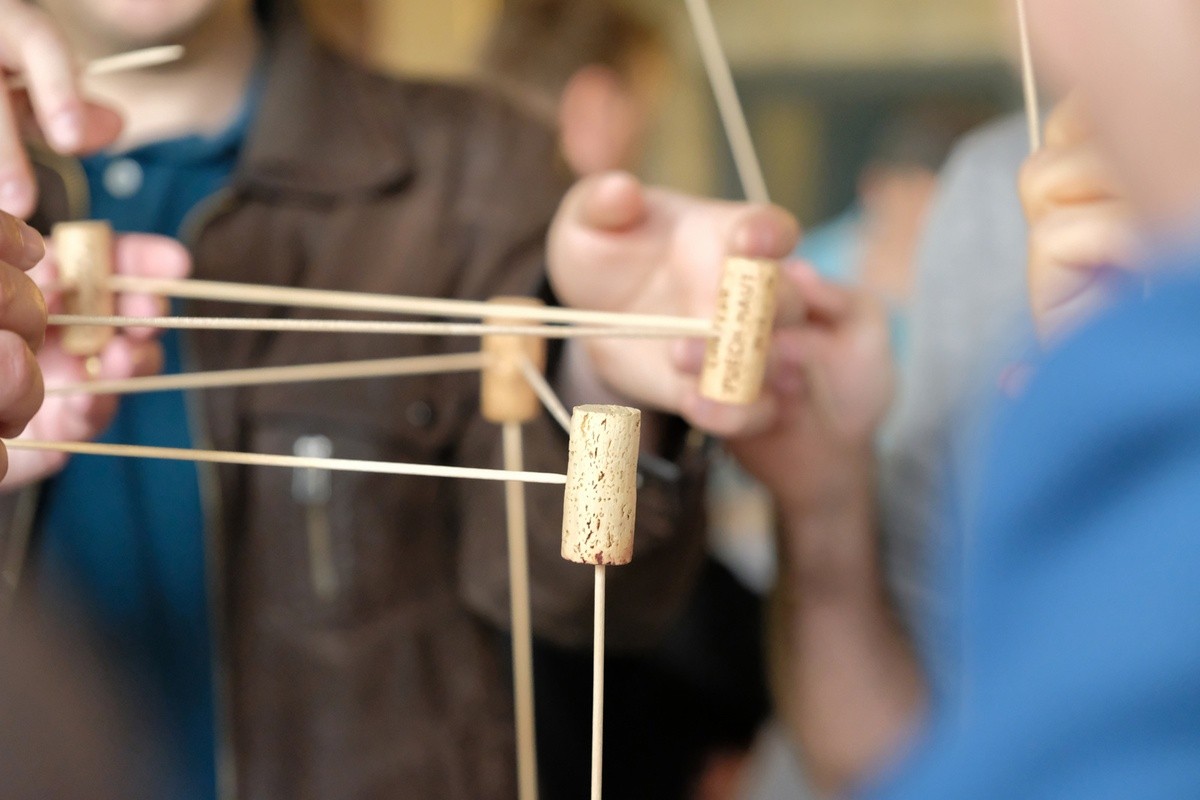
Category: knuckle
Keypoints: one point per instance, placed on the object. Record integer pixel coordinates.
(8, 288)
(14, 365)
(1029, 182)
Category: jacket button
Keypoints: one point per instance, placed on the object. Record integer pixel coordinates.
(419, 414)
(123, 178)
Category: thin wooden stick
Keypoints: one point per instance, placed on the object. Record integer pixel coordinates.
(598, 685)
(393, 304)
(599, 509)
(289, 462)
(1033, 109)
(363, 327)
(522, 627)
(541, 387)
(733, 115)
(266, 376)
(122, 62)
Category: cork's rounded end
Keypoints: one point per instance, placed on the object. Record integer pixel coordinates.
(505, 393)
(620, 412)
(735, 364)
(600, 499)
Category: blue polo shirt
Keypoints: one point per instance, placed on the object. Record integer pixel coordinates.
(123, 540)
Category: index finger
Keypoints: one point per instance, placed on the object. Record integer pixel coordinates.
(151, 256)
(769, 232)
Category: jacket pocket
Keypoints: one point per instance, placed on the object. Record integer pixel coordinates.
(321, 548)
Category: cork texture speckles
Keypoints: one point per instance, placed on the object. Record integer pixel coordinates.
(600, 500)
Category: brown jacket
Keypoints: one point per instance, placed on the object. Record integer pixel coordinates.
(397, 686)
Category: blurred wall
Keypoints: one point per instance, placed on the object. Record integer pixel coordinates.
(784, 39)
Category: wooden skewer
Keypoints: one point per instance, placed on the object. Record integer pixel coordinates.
(393, 304)
(735, 361)
(541, 387)
(364, 327)
(266, 376)
(1033, 109)
(122, 62)
(507, 399)
(598, 626)
(733, 115)
(599, 509)
(289, 462)
(522, 624)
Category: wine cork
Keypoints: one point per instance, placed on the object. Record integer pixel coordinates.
(84, 253)
(506, 394)
(735, 363)
(600, 500)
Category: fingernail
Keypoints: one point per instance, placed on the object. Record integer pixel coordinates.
(66, 130)
(14, 197)
(33, 246)
(748, 240)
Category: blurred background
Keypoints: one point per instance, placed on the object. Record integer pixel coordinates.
(820, 78)
(853, 106)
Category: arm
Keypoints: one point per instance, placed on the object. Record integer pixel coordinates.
(848, 683)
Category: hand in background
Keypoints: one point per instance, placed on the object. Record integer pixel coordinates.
(49, 110)
(619, 246)
(1080, 223)
(133, 352)
(834, 380)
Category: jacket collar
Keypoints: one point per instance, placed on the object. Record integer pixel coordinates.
(319, 128)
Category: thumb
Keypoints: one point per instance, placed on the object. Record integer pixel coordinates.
(612, 202)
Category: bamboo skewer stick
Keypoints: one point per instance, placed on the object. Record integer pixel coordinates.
(122, 62)
(598, 685)
(735, 361)
(522, 625)
(1033, 110)
(599, 510)
(363, 327)
(394, 304)
(733, 115)
(541, 387)
(507, 400)
(266, 376)
(289, 462)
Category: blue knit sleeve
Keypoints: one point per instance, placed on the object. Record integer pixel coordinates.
(1080, 584)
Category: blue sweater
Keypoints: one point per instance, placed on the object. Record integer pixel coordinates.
(1078, 640)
